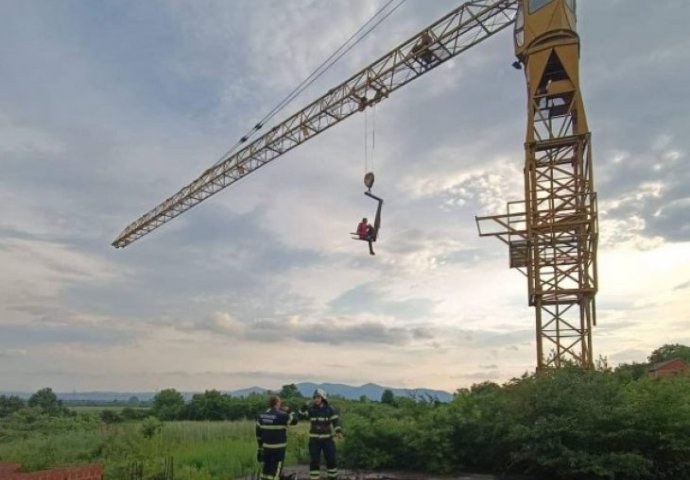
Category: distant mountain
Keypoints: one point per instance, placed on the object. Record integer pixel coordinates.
(371, 391)
(244, 392)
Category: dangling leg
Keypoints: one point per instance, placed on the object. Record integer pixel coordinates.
(371, 249)
(377, 219)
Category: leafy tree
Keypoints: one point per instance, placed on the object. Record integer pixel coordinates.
(211, 405)
(631, 371)
(565, 424)
(150, 427)
(387, 397)
(290, 391)
(110, 416)
(46, 401)
(669, 352)
(168, 404)
(9, 405)
(129, 413)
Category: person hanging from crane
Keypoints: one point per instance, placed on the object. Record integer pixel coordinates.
(365, 230)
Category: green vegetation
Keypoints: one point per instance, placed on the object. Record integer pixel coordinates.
(200, 449)
(669, 352)
(567, 424)
(42, 434)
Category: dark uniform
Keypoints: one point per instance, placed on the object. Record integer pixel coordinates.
(325, 422)
(271, 435)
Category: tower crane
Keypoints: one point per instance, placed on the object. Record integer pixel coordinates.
(552, 233)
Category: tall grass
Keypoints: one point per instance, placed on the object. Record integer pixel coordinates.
(200, 450)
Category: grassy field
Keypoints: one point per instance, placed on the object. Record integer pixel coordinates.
(100, 408)
(200, 450)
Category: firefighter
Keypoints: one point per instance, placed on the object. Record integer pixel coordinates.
(325, 423)
(271, 436)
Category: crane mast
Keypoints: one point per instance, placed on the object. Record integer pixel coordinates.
(456, 32)
(552, 235)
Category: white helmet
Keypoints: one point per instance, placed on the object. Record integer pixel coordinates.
(320, 392)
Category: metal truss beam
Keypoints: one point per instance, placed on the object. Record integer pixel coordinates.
(453, 34)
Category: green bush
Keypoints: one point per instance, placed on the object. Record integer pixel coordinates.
(565, 424)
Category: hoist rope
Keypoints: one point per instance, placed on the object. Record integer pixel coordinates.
(366, 143)
(369, 151)
(320, 70)
(373, 136)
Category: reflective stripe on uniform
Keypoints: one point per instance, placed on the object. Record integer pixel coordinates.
(334, 417)
(275, 445)
(314, 473)
(320, 435)
(273, 427)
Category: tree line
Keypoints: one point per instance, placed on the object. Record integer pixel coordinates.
(566, 424)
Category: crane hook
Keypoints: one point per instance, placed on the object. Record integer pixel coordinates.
(369, 180)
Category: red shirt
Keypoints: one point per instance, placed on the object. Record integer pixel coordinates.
(362, 229)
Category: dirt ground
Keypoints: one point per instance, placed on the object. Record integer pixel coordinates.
(301, 472)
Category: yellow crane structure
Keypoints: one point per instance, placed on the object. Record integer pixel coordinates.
(552, 233)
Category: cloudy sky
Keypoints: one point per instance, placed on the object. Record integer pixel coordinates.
(107, 108)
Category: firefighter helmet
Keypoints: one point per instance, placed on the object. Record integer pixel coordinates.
(320, 392)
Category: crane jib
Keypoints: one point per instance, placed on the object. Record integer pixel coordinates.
(459, 30)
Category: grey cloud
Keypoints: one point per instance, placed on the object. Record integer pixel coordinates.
(468, 256)
(423, 333)
(340, 331)
(12, 352)
(28, 335)
(637, 187)
(612, 326)
(368, 299)
(617, 305)
(410, 240)
(327, 331)
(647, 131)
(482, 376)
(627, 355)
(219, 256)
(488, 338)
(366, 332)
(43, 311)
(414, 240)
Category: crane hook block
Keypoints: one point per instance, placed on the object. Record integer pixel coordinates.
(369, 180)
